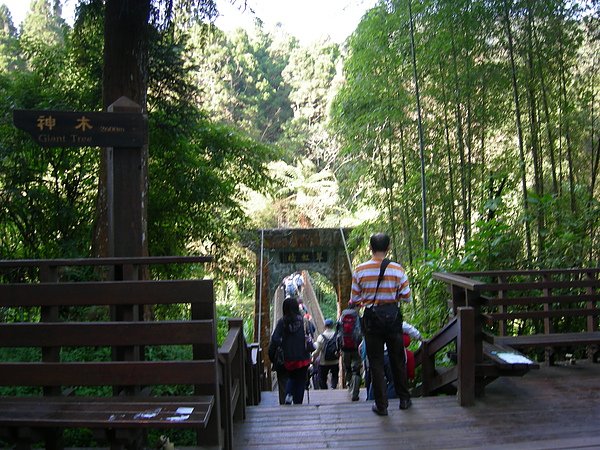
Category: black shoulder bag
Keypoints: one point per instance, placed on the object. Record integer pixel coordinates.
(381, 318)
(384, 263)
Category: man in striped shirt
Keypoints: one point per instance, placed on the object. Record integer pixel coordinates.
(379, 286)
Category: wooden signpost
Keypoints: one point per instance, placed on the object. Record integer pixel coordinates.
(124, 131)
(82, 129)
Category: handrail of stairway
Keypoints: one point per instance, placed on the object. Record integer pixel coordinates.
(462, 330)
(240, 371)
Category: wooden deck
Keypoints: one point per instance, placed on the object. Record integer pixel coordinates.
(552, 408)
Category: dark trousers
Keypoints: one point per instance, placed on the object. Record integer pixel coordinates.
(282, 377)
(375, 352)
(296, 384)
(324, 372)
(352, 366)
(352, 362)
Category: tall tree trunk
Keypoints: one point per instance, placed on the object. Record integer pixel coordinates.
(595, 163)
(566, 115)
(420, 126)
(534, 133)
(469, 173)
(387, 175)
(483, 165)
(407, 225)
(461, 145)
(547, 116)
(549, 134)
(450, 165)
(125, 74)
(561, 118)
(596, 154)
(519, 129)
(392, 207)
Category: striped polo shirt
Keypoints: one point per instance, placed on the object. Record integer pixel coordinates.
(393, 288)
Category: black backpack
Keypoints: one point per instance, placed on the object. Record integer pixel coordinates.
(332, 351)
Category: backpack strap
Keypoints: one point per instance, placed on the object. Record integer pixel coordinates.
(384, 265)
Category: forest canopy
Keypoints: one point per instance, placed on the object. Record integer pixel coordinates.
(468, 130)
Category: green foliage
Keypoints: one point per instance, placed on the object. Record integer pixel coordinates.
(346, 143)
(306, 197)
(241, 78)
(234, 303)
(199, 170)
(493, 246)
(9, 44)
(326, 295)
(486, 203)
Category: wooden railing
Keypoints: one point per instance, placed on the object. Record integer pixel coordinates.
(460, 330)
(117, 268)
(240, 365)
(240, 378)
(489, 308)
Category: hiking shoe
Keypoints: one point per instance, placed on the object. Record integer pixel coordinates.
(405, 404)
(289, 399)
(379, 412)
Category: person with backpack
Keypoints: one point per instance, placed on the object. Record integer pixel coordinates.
(299, 282)
(291, 336)
(290, 288)
(329, 356)
(409, 332)
(380, 286)
(349, 336)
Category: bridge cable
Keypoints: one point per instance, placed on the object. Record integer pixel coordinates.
(260, 283)
(346, 249)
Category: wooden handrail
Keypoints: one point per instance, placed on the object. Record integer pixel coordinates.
(512, 295)
(8, 263)
(458, 280)
(443, 337)
(462, 330)
(465, 280)
(241, 369)
(524, 286)
(233, 386)
(532, 272)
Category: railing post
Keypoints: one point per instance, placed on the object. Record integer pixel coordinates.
(427, 368)
(239, 369)
(255, 371)
(49, 274)
(474, 301)
(225, 394)
(458, 297)
(465, 344)
(548, 326)
(591, 320)
(502, 308)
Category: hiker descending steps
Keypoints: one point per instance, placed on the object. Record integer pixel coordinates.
(328, 353)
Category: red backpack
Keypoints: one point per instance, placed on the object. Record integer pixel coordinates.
(349, 334)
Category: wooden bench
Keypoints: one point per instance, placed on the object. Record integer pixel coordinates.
(544, 313)
(132, 393)
(539, 300)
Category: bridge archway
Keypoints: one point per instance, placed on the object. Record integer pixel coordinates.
(280, 252)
